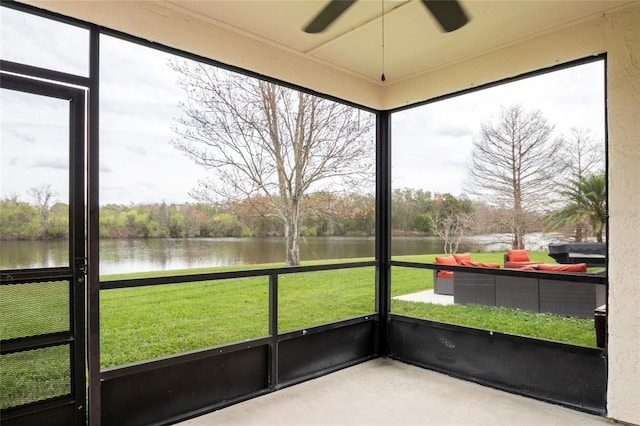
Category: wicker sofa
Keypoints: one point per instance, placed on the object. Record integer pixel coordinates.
(531, 293)
(443, 280)
(443, 283)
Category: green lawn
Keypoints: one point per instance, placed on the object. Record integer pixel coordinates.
(147, 322)
(34, 375)
(28, 310)
(34, 308)
(515, 321)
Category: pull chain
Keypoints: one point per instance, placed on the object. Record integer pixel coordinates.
(382, 77)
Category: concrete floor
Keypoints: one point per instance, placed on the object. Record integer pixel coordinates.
(387, 392)
(427, 296)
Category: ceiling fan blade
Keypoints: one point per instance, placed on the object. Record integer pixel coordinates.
(330, 13)
(448, 13)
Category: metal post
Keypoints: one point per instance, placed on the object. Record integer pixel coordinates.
(383, 228)
(93, 234)
(273, 330)
(77, 250)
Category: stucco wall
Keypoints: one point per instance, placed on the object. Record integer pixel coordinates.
(623, 90)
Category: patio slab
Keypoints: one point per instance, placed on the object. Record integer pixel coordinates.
(427, 296)
(388, 392)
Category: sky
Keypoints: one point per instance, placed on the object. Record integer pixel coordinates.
(139, 102)
(432, 143)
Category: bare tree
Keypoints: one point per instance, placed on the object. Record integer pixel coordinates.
(42, 195)
(451, 228)
(580, 154)
(452, 218)
(259, 138)
(513, 164)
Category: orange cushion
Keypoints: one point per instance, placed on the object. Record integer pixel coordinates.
(518, 256)
(462, 258)
(519, 264)
(578, 267)
(479, 264)
(446, 260)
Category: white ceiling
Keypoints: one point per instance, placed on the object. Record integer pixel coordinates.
(346, 60)
(413, 41)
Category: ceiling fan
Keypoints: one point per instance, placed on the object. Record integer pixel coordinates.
(448, 13)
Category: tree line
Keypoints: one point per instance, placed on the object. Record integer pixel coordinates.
(415, 212)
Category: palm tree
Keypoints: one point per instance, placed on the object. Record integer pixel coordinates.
(586, 200)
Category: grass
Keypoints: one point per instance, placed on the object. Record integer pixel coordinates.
(34, 375)
(35, 308)
(515, 321)
(313, 298)
(147, 322)
(29, 310)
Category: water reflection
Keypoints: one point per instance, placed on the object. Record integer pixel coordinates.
(118, 256)
(139, 255)
(34, 254)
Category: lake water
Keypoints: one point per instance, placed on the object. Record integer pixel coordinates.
(160, 254)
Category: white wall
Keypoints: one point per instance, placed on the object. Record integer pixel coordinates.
(623, 90)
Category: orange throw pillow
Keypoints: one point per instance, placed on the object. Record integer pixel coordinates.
(446, 260)
(518, 256)
(445, 274)
(464, 257)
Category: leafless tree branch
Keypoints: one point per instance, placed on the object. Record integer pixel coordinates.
(514, 164)
(258, 138)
